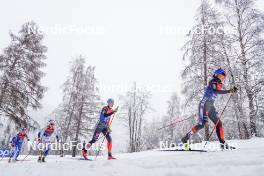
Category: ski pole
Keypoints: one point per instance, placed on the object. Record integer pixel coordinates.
(11, 151)
(218, 120)
(174, 123)
(26, 156)
(103, 139)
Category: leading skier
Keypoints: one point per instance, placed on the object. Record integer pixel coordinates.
(207, 108)
(103, 126)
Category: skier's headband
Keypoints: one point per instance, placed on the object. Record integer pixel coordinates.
(222, 75)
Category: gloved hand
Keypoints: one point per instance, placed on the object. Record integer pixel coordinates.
(39, 141)
(28, 140)
(116, 109)
(109, 130)
(233, 89)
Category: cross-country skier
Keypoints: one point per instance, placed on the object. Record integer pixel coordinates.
(207, 108)
(46, 137)
(16, 144)
(103, 127)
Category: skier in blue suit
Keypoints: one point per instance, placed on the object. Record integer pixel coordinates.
(17, 143)
(208, 110)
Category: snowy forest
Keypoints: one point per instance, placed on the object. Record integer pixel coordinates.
(227, 34)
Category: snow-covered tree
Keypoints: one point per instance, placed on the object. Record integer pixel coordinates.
(21, 74)
(246, 29)
(173, 114)
(81, 103)
(201, 49)
(135, 106)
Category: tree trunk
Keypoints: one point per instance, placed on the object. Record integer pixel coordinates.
(77, 131)
(246, 75)
(206, 129)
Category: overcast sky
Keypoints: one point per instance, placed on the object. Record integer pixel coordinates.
(127, 41)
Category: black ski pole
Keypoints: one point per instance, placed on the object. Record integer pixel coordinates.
(11, 151)
(26, 156)
(174, 123)
(218, 120)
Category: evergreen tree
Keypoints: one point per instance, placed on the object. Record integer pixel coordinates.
(21, 74)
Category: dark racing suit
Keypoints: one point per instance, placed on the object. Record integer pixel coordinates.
(103, 127)
(207, 109)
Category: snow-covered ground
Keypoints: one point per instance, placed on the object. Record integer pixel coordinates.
(248, 160)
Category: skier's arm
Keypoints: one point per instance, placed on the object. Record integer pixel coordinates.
(108, 114)
(13, 141)
(58, 137)
(222, 91)
(40, 134)
(27, 137)
(216, 90)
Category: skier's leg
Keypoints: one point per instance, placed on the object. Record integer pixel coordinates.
(96, 135)
(46, 151)
(213, 115)
(18, 149)
(14, 152)
(201, 122)
(84, 151)
(109, 143)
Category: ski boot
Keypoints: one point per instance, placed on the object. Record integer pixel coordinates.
(84, 154)
(225, 146)
(43, 159)
(111, 158)
(186, 146)
(39, 159)
(41, 156)
(186, 138)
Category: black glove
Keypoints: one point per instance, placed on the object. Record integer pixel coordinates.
(116, 109)
(233, 89)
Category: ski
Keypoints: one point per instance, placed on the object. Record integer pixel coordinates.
(83, 159)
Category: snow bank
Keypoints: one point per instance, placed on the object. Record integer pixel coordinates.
(247, 160)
